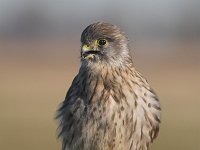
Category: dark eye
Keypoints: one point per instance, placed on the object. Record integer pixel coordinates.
(102, 42)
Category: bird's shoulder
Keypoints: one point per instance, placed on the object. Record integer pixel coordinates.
(71, 97)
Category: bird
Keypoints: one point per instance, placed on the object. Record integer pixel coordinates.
(109, 105)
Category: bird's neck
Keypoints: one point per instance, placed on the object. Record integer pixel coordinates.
(103, 78)
(103, 69)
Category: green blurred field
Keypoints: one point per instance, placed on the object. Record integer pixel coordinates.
(35, 77)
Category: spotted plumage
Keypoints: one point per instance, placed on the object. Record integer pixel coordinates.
(109, 106)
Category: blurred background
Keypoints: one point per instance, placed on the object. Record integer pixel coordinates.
(39, 57)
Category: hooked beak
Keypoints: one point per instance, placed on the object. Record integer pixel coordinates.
(88, 52)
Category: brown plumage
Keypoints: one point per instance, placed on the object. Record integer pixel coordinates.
(109, 105)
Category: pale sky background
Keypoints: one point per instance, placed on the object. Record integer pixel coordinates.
(139, 18)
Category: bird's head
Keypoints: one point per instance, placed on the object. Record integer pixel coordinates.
(103, 42)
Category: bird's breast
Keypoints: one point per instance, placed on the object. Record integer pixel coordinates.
(115, 113)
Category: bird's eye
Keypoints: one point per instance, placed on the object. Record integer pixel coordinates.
(102, 42)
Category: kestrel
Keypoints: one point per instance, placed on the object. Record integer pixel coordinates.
(109, 106)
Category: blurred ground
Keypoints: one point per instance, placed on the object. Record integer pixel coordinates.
(35, 75)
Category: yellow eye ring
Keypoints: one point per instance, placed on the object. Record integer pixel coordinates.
(102, 42)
